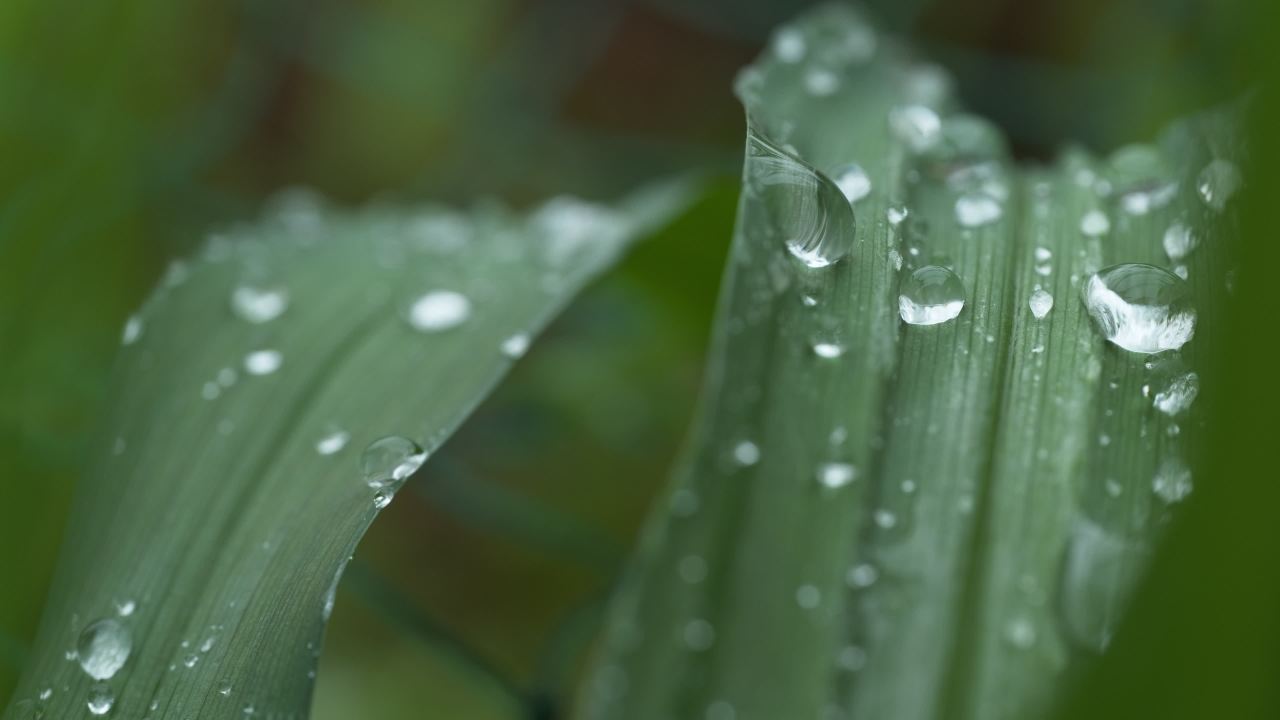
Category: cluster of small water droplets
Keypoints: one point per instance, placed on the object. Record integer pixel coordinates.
(932, 294)
(389, 461)
(1141, 308)
(439, 310)
(258, 305)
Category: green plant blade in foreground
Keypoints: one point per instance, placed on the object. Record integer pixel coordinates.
(878, 519)
(229, 488)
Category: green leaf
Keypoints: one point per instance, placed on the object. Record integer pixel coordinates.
(229, 488)
(878, 519)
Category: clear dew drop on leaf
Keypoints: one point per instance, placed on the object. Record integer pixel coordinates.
(389, 461)
(103, 648)
(1141, 308)
(439, 310)
(931, 295)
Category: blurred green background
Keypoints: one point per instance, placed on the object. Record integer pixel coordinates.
(129, 129)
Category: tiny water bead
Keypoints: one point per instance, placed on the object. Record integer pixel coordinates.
(828, 350)
(1217, 182)
(821, 82)
(699, 635)
(932, 294)
(1041, 302)
(1141, 308)
(100, 700)
(1179, 395)
(746, 453)
(382, 499)
(862, 575)
(976, 209)
(1179, 240)
(835, 475)
(258, 305)
(332, 442)
(515, 346)
(808, 597)
(852, 181)
(389, 461)
(103, 648)
(263, 362)
(132, 330)
(1172, 482)
(895, 214)
(1095, 223)
(916, 126)
(789, 45)
(439, 310)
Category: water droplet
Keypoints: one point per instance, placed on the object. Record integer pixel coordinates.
(1095, 223)
(1179, 241)
(516, 345)
(191, 660)
(1141, 308)
(389, 461)
(853, 182)
(862, 575)
(885, 519)
(1099, 570)
(720, 710)
(692, 569)
(917, 126)
(332, 442)
(808, 597)
(46, 693)
(1179, 395)
(382, 499)
(258, 305)
(224, 689)
(789, 45)
(1041, 303)
(746, 453)
(103, 648)
(827, 350)
(975, 209)
(132, 330)
(1218, 181)
(439, 310)
(836, 474)
(1021, 633)
(895, 214)
(821, 82)
(1172, 481)
(126, 608)
(699, 635)
(208, 644)
(101, 700)
(263, 362)
(930, 295)
(852, 658)
(807, 210)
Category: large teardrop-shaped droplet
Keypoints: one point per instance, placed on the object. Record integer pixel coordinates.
(1141, 308)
